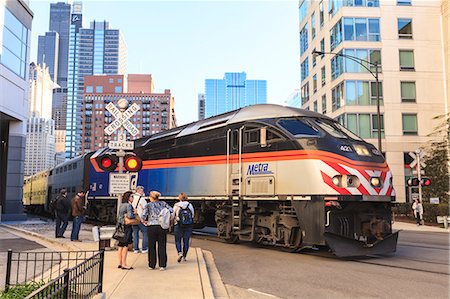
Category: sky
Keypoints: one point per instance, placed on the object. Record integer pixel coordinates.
(182, 43)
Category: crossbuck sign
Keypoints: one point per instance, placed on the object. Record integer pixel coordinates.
(122, 119)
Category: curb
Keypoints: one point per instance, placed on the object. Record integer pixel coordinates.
(219, 289)
(204, 275)
(39, 236)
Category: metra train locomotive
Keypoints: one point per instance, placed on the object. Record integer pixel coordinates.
(273, 175)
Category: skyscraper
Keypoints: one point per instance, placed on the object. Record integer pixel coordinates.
(53, 47)
(201, 106)
(48, 53)
(40, 141)
(405, 38)
(93, 51)
(232, 92)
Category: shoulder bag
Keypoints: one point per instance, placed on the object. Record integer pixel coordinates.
(119, 234)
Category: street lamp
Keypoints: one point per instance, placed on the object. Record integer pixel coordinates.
(377, 84)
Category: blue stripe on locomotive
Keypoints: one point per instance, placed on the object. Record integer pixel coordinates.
(168, 181)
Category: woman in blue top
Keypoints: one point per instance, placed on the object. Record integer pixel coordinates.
(154, 210)
(125, 208)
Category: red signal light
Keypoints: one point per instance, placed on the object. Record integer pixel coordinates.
(425, 182)
(107, 162)
(132, 163)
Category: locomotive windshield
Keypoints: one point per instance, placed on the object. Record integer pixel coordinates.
(298, 128)
(313, 127)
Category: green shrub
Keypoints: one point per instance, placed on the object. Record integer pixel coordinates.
(21, 290)
(430, 211)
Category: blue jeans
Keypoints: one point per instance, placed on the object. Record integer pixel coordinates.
(182, 232)
(61, 225)
(143, 229)
(77, 220)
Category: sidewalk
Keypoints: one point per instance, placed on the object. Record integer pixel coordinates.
(420, 228)
(188, 279)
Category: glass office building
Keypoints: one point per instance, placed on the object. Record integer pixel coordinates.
(232, 92)
(93, 51)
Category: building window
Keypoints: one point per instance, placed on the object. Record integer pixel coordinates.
(337, 97)
(323, 76)
(335, 5)
(302, 10)
(324, 104)
(314, 58)
(315, 106)
(406, 60)
(404, 28)
(355, 29)
(340, 64)
(361, 93)
(304, 68)
(99, 89)
(409, 122)
(404, 2)
(322, 47)
(305, 93)
(118, 89)
(363, 125)
(304, 39)
(313, 26)
(111, 80)
(314, 83)
(119, 80)
(89, 89)
(408, 92)
(321, 18)
(14, 50)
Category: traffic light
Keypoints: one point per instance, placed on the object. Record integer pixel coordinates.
(107, 162)
(413, 182)
(425, 182)
(132, 162)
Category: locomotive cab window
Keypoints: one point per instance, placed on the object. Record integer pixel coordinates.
(251, 136)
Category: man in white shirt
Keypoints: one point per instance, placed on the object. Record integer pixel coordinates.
(139, 203)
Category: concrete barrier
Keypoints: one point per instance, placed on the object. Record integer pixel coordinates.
(443, 219)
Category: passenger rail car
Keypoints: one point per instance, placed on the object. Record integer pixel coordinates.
(42, 187)
(274, 175)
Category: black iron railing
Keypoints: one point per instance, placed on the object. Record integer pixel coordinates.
(69, 274)
(82, 281)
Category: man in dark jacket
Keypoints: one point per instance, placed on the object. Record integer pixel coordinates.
(62, 209)
(78, 210)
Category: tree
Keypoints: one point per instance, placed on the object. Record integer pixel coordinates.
(437, 154)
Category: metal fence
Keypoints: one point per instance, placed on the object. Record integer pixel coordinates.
(69, 274)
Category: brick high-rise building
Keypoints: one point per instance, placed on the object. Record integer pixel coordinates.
(156, 109)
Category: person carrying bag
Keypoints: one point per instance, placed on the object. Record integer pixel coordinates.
(123, 232)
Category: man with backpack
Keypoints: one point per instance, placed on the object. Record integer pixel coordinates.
(183, 224)
(62, 208)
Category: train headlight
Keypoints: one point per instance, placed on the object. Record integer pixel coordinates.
(361, 150)
(337, 180)
(375, 181)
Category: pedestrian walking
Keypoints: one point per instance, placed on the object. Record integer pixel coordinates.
(78, 211)
(418, 211)
(125, 209)
(156, 216)
(138, 204)
(62, 209)
(183, 224)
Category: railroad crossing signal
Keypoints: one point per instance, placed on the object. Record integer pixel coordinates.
(418, 156)
(122, 119)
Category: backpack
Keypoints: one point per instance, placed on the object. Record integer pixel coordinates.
(164, 218)
(53, 203)
(186, 216)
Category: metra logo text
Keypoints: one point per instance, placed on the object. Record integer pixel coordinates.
(261, 168)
